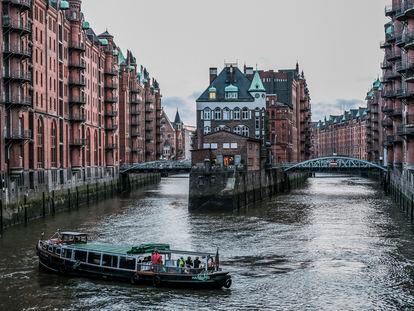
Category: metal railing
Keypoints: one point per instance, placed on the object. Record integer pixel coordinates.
(78, 116)
(16, 24)
(18, 134)
(78, 81)
(111, 85)
(17, 49)
(77, 100)
(77, 46)
(24, 3)
(17, 75)
(17, 100)
(78, 64)
(78, 142)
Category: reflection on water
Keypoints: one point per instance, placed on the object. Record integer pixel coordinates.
(335, 244)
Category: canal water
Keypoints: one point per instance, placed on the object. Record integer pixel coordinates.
(335, 244)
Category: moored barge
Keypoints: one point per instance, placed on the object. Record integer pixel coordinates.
(70, 253)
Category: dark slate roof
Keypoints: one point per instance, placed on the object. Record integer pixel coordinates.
(106, 34)
(223, 80)
(92, 35)
(177, 118)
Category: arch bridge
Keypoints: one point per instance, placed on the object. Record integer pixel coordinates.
(334, 163)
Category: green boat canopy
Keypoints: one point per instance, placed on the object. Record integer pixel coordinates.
(148, 248)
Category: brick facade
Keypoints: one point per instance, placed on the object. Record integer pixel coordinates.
(69, 105)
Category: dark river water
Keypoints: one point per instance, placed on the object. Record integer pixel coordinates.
(335, 244)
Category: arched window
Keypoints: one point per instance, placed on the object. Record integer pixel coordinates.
(207, 130)
(236, 113)
(40, 143)
(237, 130)
(53, 145)
(245, 114)
(88, 147)
(217, 114)
(245, 131)
(226, 114)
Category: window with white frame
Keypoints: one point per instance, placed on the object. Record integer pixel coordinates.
(207, 114)
(226, 114)
(236, 114)
(217, 114)
(245, 114)
(237, 130)
(207, 130)
(245, 131)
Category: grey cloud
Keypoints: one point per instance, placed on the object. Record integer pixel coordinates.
(322, 109)
(185, 106)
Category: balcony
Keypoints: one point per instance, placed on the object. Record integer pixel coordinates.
(135, 133)
(149, 100)
(77, 46)
(408, 40)
(135, 90)
(23, 28)
(134, 122)
(135, 100)
(18, 51)
(134, 111)
(393, 55)
(18, 135)
(79, 64)
(391, 10)
(77, 142)
(389, 140)
(111, 85)
(77, 81)
(386, 65)
(387, 123)
(111, 113)
(17, 101)
(136, 149)
(406, 11)
(387, 110)
(111, 146)
(392, 75)
(17, 76)
(111, 99)
(397, 113)
(24, 5)
(77, 100)
(111, 127)
(77, 117)
(111, 72)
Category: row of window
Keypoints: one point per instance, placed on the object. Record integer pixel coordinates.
(225, 146)
(240, 129)
(226, 114)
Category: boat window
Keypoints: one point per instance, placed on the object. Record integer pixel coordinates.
(94, 258)
(67, 253)
(109, 261)
(127, 263)
(80, 255)
(57, 251)
(50, 249)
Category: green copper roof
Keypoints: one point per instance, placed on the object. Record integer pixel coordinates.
(231, 88)
(103, 41)
(121, 57)
(212, 89)
(377, 84)
(86, 25)
(131, 67)
(115, 52)
(257, 84)
(389, 30)
(64, 5)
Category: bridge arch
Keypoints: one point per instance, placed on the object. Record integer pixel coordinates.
(335, 163)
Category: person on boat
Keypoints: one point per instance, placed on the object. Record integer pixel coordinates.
(189, 262)
(180, 264)
(210, 263)
(197, 263)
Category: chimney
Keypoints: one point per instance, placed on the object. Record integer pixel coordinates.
(213, 74)
(248, 71)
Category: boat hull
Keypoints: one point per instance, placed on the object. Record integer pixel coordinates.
(53, 263)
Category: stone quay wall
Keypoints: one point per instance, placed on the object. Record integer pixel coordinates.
(232, 189)
(42, 204)
(400, 187)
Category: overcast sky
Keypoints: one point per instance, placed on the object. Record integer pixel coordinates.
(336, 42)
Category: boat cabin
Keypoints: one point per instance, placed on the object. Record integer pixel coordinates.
(73, 238)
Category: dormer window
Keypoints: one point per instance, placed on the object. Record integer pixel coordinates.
(212, 93)
(232, 92)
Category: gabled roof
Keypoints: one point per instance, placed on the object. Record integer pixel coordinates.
(223, 80)
(257, 84)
